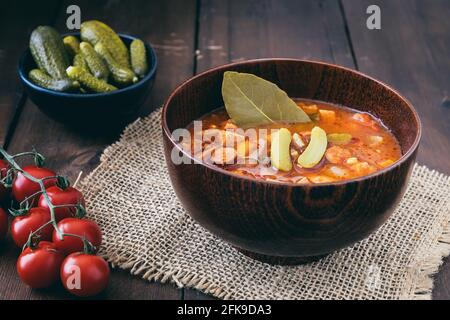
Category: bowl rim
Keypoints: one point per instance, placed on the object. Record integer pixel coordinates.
(150, 73)
(400, 161)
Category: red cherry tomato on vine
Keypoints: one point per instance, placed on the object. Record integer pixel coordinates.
(60, 196)
(23, 187)
(81, 227)
(3, 224)
(40, 267)
(84, 274)
(22, 226)
(3, 170)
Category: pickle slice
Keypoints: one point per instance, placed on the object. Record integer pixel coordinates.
(280, 150)
(339, 138)
(315, 149)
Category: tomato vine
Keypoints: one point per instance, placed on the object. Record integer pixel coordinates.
(24, 205)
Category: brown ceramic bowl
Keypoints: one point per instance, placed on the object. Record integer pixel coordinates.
(288, 223)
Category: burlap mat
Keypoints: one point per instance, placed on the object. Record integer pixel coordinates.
(147, 231)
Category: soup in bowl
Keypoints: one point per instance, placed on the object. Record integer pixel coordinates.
(289, 160)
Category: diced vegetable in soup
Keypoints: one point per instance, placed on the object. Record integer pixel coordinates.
(326, 143)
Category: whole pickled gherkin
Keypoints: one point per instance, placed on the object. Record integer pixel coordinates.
(49, 52)
(72, 45)
(138, 57)
(79, 61)
(88, 81)
(39, 77)
(94, 61)
(121, 75)
(95, 32)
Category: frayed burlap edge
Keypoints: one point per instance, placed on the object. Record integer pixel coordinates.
(430, 265)
(422, 272)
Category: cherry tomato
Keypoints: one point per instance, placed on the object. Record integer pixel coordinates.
(40, 267)
(3, 224)
(22, 226)
(82, 227)
(23, 187)
(84, 274)
(3, 170)
(60, 196)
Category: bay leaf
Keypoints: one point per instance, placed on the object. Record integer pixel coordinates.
(252, 101)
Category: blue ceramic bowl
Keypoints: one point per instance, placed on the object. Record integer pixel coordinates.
(116, 108)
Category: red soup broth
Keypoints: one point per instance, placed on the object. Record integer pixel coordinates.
(368, 147)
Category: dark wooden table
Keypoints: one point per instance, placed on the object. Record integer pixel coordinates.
(411, 53)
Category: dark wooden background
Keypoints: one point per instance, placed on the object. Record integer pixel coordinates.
(411, 53)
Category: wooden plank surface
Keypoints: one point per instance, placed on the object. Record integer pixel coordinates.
(170, 27)
(240, 30)
(411, 53)
(14, 35)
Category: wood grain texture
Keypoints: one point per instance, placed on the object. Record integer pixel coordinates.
(170, 26)
(14, 35)
(234, 30)
(411, 53)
